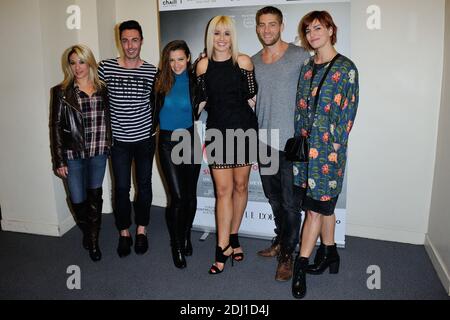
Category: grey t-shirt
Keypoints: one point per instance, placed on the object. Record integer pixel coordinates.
(277, 88)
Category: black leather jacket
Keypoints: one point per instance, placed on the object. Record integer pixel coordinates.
(159, 100)
(66, 123)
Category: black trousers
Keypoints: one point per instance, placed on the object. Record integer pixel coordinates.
(285, 201)
(181, 182)
(122, 156)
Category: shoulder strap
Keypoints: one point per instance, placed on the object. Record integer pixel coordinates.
(316, 98)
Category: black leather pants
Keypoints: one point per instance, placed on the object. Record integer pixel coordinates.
(181, 182)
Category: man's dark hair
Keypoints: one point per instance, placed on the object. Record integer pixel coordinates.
(269, 10)
(130, 25)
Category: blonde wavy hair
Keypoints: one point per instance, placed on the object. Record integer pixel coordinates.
(85, 54)
(227, 23)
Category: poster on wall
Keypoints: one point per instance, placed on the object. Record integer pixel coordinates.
(187, 20)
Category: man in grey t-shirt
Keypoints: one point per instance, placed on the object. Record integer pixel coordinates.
(277, 68)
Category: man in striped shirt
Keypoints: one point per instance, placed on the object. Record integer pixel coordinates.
(130, 82)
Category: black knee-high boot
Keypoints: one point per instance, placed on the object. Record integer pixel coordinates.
(176, 231)
(189, 220)
(95, 204)
(80, 213)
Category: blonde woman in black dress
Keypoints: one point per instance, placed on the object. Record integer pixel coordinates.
(227, 90)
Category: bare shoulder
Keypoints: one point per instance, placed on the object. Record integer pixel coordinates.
(245, 62)
(202, 66)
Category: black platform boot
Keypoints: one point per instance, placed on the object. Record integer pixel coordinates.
(95, 204)
(80, 213)
(299, 277)
(326, 256)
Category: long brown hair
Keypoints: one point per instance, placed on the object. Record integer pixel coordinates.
(166, 78)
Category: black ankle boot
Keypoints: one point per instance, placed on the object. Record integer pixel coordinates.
(326, 256)
(299, 277)
(95, 203)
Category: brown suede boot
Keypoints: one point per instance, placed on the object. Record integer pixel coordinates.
(285, 267)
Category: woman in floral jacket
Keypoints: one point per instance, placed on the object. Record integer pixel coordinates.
(320, 179)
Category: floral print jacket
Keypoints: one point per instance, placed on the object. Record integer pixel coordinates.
(335, 113)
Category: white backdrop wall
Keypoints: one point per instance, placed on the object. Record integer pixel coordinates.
(389, 183)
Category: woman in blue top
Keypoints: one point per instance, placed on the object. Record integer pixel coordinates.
(174, 94)
(327, 99)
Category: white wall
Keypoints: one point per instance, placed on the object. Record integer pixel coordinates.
(438, 236)
(106, 17)
(393, 144)
(30, 195)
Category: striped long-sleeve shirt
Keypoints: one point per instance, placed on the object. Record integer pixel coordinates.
(129, 92)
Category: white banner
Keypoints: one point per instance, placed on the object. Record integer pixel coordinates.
(258, 220)
(171, 5)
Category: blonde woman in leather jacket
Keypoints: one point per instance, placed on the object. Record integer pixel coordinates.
(81, 139)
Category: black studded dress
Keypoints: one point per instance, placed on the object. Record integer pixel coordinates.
(226, 87)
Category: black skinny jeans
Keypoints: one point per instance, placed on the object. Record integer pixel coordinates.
(122, 156)
(181, 181)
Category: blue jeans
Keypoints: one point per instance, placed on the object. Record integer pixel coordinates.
(85, 174)
(122, 156)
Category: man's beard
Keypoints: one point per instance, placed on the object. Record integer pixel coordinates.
(272, 42)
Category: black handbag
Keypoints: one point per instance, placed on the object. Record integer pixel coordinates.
(297, 147)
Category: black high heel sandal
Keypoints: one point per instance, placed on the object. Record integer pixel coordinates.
(234, 242)
(220, 257)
